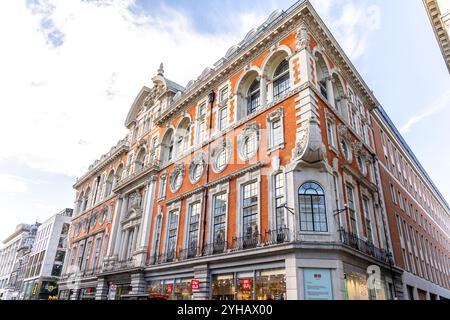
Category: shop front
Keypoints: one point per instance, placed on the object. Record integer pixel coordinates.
(269, 284)
(358, 286)
(171, 289)
(88, 293)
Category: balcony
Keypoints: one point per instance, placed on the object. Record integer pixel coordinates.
(364, 246)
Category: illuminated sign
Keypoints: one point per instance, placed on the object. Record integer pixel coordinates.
(246, 284)
(169, 288)
(195, 285)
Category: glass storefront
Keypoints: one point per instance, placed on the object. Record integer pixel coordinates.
(356, 287)
(254, 285)
(88, 293)
(173, 289)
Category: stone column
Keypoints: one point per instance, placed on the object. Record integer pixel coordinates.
(102, 289)
(293, 284)
(118, 237)
(263, 90)
(330, 92)
(138, 283)
(76, 294)
(115, 227)
(201, 273)
(143, 240)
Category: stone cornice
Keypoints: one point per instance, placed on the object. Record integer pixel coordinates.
(271, 35)
(442, 35)
(122, 147)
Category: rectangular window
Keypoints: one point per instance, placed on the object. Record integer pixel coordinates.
(162, 187)
(352, 210)
(331, 131)
(219, 222)
(172, 235)
(194, 227)
(222, 118)
(250, 214)
(279, 201)
(366, 206)
(95, 253)
(277, 133)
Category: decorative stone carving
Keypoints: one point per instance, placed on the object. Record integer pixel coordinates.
(177, 173)
(223, 145)
(199, 160)
(251, 129)
(309, 146)
(275, 115)
(303, 38)
(135, 200)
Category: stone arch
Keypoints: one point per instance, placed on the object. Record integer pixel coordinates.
(183, 135)
(242, 91)
(167, 145)
(109, 183)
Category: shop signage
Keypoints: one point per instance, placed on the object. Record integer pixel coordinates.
(195, 285)
(169, 288)
(317, 284)
(246, 283)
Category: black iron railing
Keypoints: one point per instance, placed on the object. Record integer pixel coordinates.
(215, 247)
(364, 246)
(247, 241)
(188, 253)
(277, 236)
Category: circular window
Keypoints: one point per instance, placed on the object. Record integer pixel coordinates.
(176, 178)
(346, 151)
(196, 168)
(222, 160)
(248, 142)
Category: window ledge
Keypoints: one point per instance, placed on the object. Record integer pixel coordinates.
(280, 146)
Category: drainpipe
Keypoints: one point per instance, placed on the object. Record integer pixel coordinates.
(212, 97)
(375, 162)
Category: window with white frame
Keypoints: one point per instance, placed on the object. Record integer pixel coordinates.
(219, 221)
(366, 207)
(352, 210)
(222, 116)
(275, 136)
(87, 255)
(162, 186)
(201, 124)
(278, 184)
(172, 232)
(281, 79)
(253, 97)
(95, 253)
(248, 141)
(193, 228)
(250, 212)
(331, 133)
(313, 215)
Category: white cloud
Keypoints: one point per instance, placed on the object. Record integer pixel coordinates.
(441, 103)
(352, 23)
(10, 184)
(72, 68)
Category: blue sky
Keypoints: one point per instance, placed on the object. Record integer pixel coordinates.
(72, 68)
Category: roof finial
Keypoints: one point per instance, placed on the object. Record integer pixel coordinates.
(161, 70)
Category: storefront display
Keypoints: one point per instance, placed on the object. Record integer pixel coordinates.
(173, 289)
(356, 286)
(223, 287)
(271, 285)
(260, 285)
(88, 293)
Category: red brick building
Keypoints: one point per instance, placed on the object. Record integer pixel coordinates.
(261, 179)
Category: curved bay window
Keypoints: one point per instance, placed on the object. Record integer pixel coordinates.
(281, 79)
(254, 97)
(313, 216)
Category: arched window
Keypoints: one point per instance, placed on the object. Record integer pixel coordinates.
(86, 204)
(183, 136)
(281, 79)
(140, 161)
(167, 147)
(109, 184)
(322, 75)
(338, 92)
(254, 97)
(313, 215)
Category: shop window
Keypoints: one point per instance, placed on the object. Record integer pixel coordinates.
(223, 287)
(271, 285)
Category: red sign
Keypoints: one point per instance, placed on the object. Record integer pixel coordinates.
(195, 285)
(246, 284)
(169, 288)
